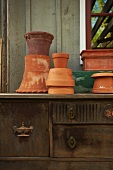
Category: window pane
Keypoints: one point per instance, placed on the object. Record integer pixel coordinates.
(102, 24)
(98, 6)
(104, 34)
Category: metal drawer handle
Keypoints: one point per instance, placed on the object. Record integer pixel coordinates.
(109, 113)
(71, 142)
(71, 113)
(23, 131)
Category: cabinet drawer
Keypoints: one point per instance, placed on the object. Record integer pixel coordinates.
(30, 138)
(56, 165)
(83, 141)
(95, 112)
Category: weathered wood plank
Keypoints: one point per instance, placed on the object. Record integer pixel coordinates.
(55, 165)
(17, 44)
(59, 25)
(71, 32)
(0, 62)
(43, 18)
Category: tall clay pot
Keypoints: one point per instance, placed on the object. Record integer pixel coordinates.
(38, 42)
(35, 74)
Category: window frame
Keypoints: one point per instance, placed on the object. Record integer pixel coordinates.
(82, 25)
(89, 15)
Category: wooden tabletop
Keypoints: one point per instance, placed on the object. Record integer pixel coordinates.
(54, 96)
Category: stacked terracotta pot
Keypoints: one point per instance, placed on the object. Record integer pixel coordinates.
(60, 80)
(37, 62)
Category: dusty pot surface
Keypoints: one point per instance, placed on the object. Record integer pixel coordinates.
(35, 62)
(103, 83)
(60, 60)
(38, 42)
(33, 82)
(35, 74)
(60, 77)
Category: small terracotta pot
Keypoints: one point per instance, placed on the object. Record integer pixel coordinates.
(60, 77)
(35, 74)
(103, 83)
(38, 42)
(61, 90)
(60, 60)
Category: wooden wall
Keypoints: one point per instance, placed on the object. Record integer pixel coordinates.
(58, 17)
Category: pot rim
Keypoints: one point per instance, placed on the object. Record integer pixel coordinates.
(60, 55)
(39, 33)
(96, 50)
(102, 75)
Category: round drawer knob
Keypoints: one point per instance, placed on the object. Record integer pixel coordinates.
(71, 142)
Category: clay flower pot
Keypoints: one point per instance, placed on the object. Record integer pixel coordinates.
(39, 42)
(97, 59)
(60, 60)
(35, 74)
(60, 81)
(61, 90)
(103, 83)
(60, 77)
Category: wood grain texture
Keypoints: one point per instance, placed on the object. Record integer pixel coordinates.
(90, 141)
(17, 44)
(54, 165)
(0, 62)
(32, 114)
(89, 112)
(70, 31)
(56, 142)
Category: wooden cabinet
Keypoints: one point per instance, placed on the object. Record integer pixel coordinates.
(51, 132)
(15, 115)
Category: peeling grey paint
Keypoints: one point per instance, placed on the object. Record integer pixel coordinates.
(59, 17)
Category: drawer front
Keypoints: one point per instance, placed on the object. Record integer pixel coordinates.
(82, 112)
(24, 129)
(83, 141)
(55, 165)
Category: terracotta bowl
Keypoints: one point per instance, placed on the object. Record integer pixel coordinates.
(60, 60)
(60, 77)
(103, 83)
(61, 90)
